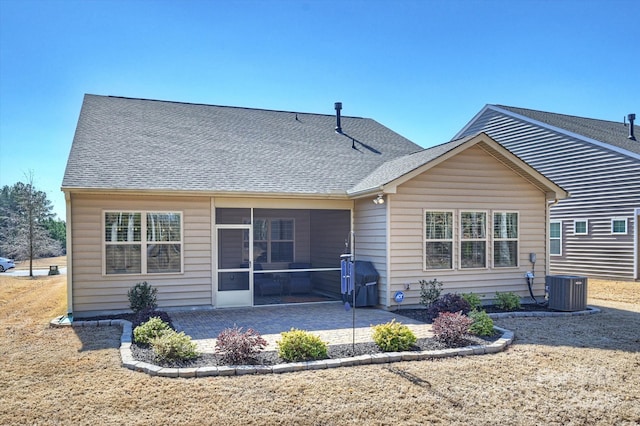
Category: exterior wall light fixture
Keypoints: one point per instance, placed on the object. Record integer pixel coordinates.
(379, 200)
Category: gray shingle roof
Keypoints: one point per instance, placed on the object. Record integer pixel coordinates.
(610, 132)
(137, 144)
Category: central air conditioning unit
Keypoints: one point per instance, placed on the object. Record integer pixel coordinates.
(567, 292)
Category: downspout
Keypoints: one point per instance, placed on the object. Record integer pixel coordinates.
(546, 233)
(213, 238)
(67, 198)
(636, 242)
(387, 233)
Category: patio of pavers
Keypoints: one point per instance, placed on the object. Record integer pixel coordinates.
(330, 321)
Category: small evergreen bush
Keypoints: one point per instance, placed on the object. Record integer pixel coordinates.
(238, 347)
(142, 296)
(146, 314)
(450, 302)
(393, 336)
(145, 332)
(482, 323)
(429, 291)
(450, 328)
(474, 300)
(300, 345)
(173, 346)
(507, 301)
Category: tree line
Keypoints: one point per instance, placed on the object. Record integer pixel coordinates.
(28, 227)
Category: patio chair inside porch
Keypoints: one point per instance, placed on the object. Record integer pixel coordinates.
(265, 283)
(300, 282)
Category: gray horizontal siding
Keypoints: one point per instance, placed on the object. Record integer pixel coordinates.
(603, 184)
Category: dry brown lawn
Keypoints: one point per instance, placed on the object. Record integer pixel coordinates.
(561, 371)
(44, 263)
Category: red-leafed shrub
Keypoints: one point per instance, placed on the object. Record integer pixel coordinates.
(238, 347)
(450, 328)
(449, 302)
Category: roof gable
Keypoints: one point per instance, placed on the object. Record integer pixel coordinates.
(390, 175)
(136, 144)
(607, 134)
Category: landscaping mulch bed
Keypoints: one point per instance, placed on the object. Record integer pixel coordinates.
(146, 354)
(421, 314)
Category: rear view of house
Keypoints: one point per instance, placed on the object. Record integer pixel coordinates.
(223, 207)
(595, 232)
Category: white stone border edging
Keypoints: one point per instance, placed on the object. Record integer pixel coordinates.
(238, 370)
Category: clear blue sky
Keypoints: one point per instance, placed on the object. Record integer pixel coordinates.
(422, 68)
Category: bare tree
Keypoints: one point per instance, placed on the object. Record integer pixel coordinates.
(24, 212)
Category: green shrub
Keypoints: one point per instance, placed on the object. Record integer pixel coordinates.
(474, 300)
(450, 328)
(507, 301)
(429, 291)
(174, 346)
(237, 347)
(393, 336)
(142, 296)
(145, 332)
(300, 345)
(482, 323)
(146, 314)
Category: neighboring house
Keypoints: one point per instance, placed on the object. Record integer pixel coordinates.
(595, 232)
(221, 206)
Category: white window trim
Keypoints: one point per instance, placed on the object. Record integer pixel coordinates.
(493, 239)
(269, 240)
(425, 240)
(626, 225)
(143, 242)
(586, 221)
(559, 238)
(486, 239)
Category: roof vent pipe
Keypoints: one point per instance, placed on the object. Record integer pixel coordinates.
(632, 118)
(338, 106)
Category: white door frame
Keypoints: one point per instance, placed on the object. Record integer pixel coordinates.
(234, 298)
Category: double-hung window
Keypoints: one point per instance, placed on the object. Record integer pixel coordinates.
(273, 240)
(473, 239)
(505, 239)
(137, 242)
(555, 238)
(438, 231)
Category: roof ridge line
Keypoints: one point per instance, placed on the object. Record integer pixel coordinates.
(221, 106)
(560, 114)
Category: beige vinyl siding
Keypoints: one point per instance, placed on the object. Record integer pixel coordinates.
(370, 224)
(95, 292)
(471, 181)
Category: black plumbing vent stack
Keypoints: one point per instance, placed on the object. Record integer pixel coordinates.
(338, 106)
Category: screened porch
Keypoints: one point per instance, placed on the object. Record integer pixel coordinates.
(274, 256)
